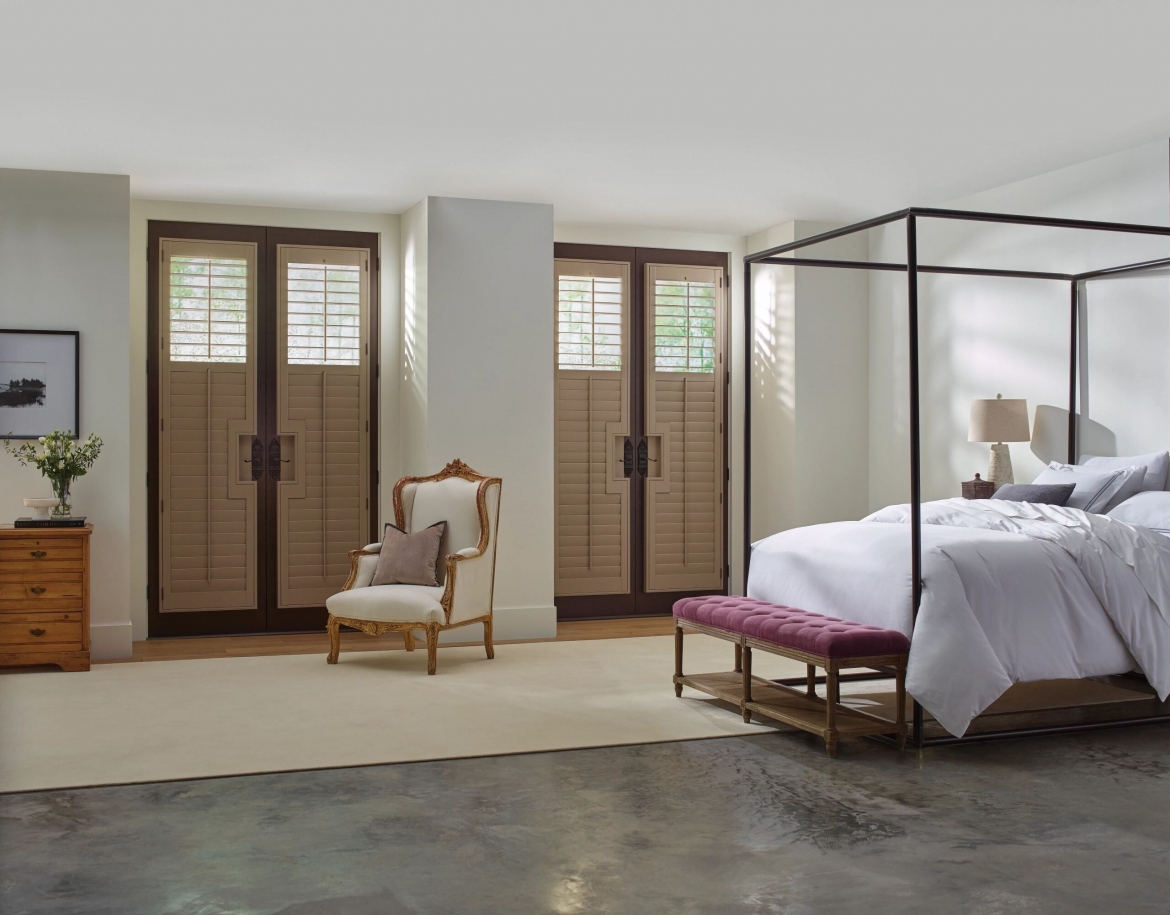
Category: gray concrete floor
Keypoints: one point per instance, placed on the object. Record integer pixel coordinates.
(1077, 824)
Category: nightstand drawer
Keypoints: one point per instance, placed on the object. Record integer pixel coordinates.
(35, 635)
(42, 565)
(32, 550)
(36, 588)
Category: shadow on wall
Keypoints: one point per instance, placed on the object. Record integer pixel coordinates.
(1050, 435)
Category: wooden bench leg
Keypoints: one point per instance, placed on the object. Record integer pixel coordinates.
(678, 651)
(901, 700)
(811, 678)
(738, 658)
(747, 683)
(831, 694)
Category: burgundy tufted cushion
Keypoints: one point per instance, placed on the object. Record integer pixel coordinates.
(811, 632)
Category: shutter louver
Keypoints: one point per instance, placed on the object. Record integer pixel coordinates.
(684, 326)
(324, 320)
(208, 309)
(589, 323)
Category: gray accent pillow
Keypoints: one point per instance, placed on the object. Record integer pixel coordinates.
(1036, 493)
(410, 559)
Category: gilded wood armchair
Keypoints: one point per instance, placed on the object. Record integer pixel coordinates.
(470, 504)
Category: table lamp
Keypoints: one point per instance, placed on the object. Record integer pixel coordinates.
(999, 421)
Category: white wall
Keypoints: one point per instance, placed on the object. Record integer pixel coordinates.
(733, 245)
(983, 336)
(63, 255)
(810, 402)
(390, 327)
(479, 378)
(413, 356)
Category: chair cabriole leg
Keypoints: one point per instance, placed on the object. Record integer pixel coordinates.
(408, 639)
(487, 638)
(333, 627)
(432, 647)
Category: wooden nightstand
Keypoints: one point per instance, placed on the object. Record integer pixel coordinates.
(44, 596)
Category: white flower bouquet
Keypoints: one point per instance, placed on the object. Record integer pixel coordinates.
(61, 459)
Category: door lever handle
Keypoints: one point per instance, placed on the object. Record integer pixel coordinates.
(274, 458)
(257, 458)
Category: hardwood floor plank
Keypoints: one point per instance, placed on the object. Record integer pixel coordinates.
(249, 646)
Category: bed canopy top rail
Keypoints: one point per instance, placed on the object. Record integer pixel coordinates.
(1050, 222)
(912, 268)
(922, 268)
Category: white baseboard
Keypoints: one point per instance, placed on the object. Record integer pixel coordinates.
(108, 641)
(510, 623)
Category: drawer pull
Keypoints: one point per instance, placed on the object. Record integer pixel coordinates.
(37, 632)
(38, 554)
(38, 590)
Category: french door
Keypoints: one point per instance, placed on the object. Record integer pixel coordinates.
(262, 366)
(640, 404)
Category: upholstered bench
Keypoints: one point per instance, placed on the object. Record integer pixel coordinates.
(818, 641)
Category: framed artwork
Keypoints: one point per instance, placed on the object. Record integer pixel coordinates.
(39, 382)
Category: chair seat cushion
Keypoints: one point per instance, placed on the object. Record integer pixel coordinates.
(791, 628)
(389, 604)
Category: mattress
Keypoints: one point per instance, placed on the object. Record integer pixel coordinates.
(1012, 592)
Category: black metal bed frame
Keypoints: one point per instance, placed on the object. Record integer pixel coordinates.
(912, 269)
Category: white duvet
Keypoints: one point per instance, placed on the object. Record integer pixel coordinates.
(1012, 592)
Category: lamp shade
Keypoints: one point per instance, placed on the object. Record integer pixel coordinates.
(999, 420)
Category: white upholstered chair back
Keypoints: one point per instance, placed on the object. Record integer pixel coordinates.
(457, 501)
(452, 500)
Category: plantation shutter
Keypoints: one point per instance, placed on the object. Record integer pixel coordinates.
(323, 504)
(684, 428)
(592, 423)
(207, 517)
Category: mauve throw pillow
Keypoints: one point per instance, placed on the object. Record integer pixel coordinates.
(409, 559)
(1036, 493)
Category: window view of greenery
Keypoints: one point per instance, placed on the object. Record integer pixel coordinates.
(324, 314)
(589, 323)
(209, 309)
(684, 326)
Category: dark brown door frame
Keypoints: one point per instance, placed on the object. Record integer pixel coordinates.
(639, 602)
(265, 618)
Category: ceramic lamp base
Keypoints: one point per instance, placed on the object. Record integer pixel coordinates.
(999, 469)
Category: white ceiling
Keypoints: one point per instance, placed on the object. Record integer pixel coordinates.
(722, 115)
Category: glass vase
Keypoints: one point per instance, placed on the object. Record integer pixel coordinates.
(63, 508)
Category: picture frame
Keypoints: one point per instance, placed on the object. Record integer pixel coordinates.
(40, 382)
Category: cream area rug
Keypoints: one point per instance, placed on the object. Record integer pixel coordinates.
(160, 720)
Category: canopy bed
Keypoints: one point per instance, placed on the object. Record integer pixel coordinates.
(1064, 593)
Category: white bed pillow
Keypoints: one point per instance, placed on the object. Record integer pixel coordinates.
(1146, 509)
(1095, 492)
(1157, 467)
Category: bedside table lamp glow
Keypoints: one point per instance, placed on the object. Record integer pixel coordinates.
(999, 421)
